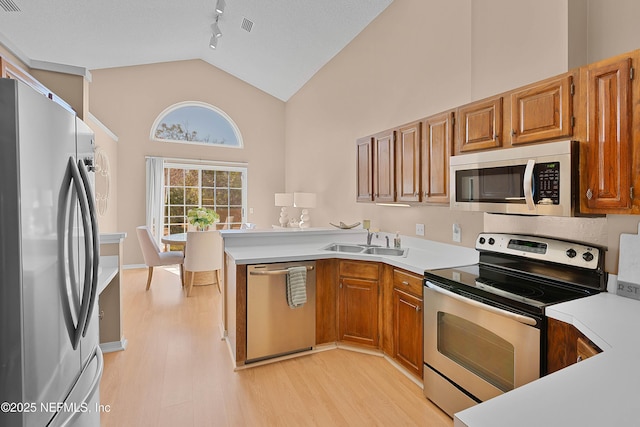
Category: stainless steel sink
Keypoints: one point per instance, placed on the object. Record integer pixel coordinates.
(365, 249)
(342, 247)
(386, 251)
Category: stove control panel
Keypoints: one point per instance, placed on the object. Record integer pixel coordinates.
(541, 248)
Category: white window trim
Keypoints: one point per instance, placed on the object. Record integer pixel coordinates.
(216, 165)
(173, 107)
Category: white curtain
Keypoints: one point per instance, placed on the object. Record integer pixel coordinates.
(155, 199)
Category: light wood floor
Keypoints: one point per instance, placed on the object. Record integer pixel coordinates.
(176, 371)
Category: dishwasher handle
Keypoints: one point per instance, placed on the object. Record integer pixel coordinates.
(274, 272)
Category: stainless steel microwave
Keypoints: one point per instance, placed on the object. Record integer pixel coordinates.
(529, 180)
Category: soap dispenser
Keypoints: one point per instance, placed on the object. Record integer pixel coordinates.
(396, 240)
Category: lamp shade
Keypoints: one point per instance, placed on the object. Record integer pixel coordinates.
(304, 200)
(284, 199)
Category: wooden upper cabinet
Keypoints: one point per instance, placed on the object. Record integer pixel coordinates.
(436, 149)
(384, 166)
(606, 160)
(408, 163)
(364, 169)
(542, 111)
(479, 125)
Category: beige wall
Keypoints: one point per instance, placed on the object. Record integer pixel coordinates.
(418, 58)
(128, 100)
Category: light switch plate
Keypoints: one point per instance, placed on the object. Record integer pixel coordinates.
(419, 229)
(456, 233)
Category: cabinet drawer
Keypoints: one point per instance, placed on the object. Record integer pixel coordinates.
(407, 282)
(362, 270)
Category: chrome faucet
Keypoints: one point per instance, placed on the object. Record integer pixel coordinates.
(370, 236)
(387, 238)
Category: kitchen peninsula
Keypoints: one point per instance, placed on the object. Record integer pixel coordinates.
(248, 247)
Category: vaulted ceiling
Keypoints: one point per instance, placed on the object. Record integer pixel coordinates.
(274, 45)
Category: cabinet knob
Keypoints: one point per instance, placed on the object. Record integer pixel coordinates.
(417, 308)
(513, 132)
(404, 282)
(589, 194)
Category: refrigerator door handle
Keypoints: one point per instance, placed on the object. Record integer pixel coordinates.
(95, 237)
(72, 183)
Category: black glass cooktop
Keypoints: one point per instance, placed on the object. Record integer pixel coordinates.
(507, 288)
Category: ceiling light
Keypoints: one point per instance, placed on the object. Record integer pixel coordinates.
(215, 30)
(220, 6)
(213, 42)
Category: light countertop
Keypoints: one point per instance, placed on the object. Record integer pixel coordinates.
(602, 390)
(257, 247)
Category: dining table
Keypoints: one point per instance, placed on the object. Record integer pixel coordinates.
(178, 239)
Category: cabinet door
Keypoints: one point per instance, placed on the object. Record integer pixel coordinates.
(436, 150)
(358, 306)
(384, 166)
(605, 170)
(566, 345)
(364, 170)
(408, 331)
(479, 125)
(408, 163)
(543, 111)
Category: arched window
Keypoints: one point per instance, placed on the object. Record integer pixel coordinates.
(196, 123)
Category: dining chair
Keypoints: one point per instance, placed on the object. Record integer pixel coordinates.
(154, 257)
(203, 252)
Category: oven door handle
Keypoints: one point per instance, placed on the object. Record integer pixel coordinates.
(528, 184)
(514, 316)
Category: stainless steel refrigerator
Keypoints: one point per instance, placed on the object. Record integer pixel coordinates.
(50, 360)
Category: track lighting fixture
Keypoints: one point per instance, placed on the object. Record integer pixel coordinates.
(220, 7)
(215, 30)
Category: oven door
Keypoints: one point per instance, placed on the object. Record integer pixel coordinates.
(484, 350)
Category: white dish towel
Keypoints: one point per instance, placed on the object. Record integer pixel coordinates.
(296, 286)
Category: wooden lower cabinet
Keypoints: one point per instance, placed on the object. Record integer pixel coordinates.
(566, 345)
(371, 304)
(326, 298)
(408, 321)
(358, 303)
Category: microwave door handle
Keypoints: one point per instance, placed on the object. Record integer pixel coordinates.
(514, 316)
(528, 184)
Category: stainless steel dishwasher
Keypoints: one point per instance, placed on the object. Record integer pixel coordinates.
(274, 328)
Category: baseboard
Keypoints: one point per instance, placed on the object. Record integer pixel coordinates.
(133, 266)
(110, 347)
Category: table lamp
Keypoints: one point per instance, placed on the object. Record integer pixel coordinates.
(284, 200)
(304, 201)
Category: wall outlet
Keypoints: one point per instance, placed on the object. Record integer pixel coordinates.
(419, 229)
(456, 233)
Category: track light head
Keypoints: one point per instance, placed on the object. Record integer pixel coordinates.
(220, 6)
(215, 29)
(213, 41)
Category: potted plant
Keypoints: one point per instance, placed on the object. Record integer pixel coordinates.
(202, 218)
